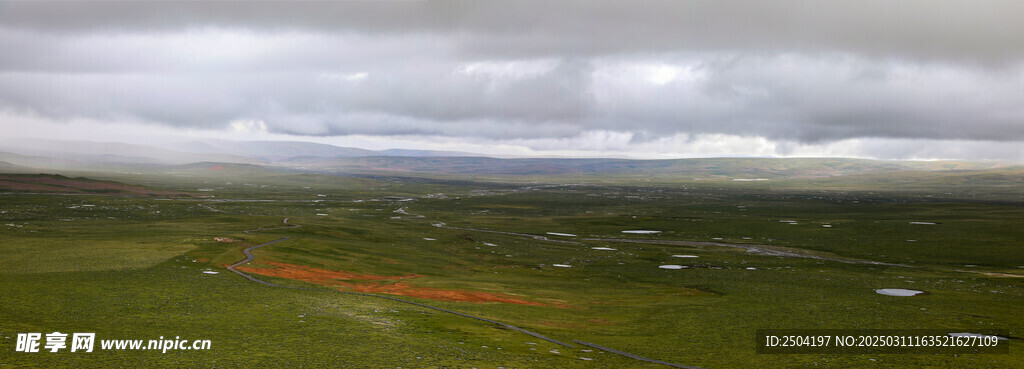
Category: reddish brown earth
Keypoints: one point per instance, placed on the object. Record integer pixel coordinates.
(373, 284)
(216, 167)
(61, 184)
(22, 186)
(400, 288)
(315, 275)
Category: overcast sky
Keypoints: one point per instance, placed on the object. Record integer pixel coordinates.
(887, 79)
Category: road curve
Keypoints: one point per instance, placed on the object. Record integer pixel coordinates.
(249, 257)
(286, 226)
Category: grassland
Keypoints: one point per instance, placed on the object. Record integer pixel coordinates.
(133, 267)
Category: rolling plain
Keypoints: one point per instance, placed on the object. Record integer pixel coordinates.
(681, 267)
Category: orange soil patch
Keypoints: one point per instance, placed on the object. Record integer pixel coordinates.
(216, 167)
(437, 293)
(359, 284)
(316, 275)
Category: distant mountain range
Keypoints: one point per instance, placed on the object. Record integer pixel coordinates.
(77, 153)
(63, 154)
(222, 157)
(273, 151)
(735, 168)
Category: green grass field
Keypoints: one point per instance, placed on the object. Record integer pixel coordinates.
(133, 268)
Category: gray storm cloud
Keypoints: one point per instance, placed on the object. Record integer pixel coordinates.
(800, 71)
(944, 29)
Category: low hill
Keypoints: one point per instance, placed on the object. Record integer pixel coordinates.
(52, 183)
(41, 162)
(6, 167)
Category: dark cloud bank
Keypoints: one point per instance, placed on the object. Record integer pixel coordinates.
(804, 71)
